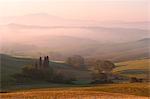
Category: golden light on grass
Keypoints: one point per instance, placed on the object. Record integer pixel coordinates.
(96, 92)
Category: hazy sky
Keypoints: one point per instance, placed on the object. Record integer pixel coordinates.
(101, 10)
(98, 10)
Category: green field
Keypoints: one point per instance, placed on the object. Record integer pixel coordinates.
(11, 65)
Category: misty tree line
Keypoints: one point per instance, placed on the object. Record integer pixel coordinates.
(42, 70)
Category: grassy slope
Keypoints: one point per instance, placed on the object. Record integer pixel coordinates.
(79, 74)
(11, 65)
(134, 68)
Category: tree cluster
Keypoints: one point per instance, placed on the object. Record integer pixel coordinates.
(102, 71)
(41, 71)
(76, 61)
(42, 63)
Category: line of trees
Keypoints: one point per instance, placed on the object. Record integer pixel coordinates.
(42, 71)
(102, 69)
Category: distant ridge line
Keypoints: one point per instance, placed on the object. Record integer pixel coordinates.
(55, 27)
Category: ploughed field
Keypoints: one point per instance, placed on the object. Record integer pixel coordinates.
(106, 91)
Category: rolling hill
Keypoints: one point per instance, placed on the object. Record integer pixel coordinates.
(60, 47)
(57, 47)
(11, 65)
(85, 31)
(134, 68)
(124, 51)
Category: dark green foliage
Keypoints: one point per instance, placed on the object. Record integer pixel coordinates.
(62, 78)
(37, 74)
(21, 78)
(48, 75)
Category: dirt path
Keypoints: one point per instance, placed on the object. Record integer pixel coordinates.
(66, 95)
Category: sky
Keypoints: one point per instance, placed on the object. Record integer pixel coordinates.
(96, 11)
(99, 10)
